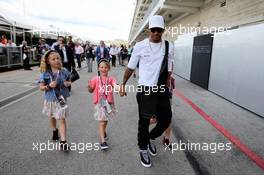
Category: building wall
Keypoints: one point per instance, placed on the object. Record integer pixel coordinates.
(235, 13)
(237, 56)
(237, 71)
(183, 49)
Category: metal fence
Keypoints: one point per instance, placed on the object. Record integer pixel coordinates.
(13, 56)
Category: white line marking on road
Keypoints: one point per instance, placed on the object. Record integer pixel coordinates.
(15, 94)
(13, 102)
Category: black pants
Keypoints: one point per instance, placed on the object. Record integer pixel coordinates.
(78, 57)
(154, 104)
(26, 64)
(113, 60)
(119, 58)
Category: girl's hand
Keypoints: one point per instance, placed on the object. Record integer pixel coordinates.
(90, 88)
(53, 84)
(42, 87)
(67, 83)
(116, 88)
(46, 88)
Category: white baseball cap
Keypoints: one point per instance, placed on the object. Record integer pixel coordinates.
(156, 21)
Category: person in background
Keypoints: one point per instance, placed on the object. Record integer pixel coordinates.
(119, 55)
(42, 46)
(89, 56)
(167, 133)
(125, 53)
(121, 51)
(10, 43)
(101, 52)
(66, 54)
(113, 54)
(3, 40)
(55, 44)
(130, 50)
(78, 53)
(25, 52)
(71, 44)
(85, 44)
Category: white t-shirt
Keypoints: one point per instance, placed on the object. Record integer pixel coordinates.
(113, 51)
(150, 57)
(79, 50)
(65, 58)
(102, 52)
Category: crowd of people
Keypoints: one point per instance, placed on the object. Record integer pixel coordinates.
(91, 52)
(8, 43)
(80, 51)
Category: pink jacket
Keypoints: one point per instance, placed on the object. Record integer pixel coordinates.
(95, 84)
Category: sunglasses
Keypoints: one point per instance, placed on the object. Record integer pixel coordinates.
(156, 29)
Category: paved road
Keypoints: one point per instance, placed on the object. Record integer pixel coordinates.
(22, 124)
(15, 82)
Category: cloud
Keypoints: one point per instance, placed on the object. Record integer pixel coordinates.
(100, 19)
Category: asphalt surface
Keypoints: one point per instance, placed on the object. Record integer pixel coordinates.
(22, 126)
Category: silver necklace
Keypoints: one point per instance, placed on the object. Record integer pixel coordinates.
(152, 49)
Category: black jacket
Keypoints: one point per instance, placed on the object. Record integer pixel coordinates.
(69, 54)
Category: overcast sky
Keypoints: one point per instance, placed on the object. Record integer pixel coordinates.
(94, 19)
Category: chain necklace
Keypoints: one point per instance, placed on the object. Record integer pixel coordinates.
(156, 50)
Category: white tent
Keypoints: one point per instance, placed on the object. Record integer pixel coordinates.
(13, 27)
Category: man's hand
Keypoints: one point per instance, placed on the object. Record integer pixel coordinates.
(168, 81)
(127, 74)
(122, 90)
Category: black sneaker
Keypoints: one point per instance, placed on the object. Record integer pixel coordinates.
(104, 146)
(145, 159)
(55, 135)
(64, 146)
(152, 147)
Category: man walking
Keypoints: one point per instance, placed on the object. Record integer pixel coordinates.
(113, 54)
(155, 57)
(78, 52)
(66, 55)
(101, 52)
